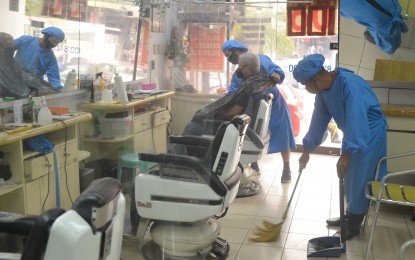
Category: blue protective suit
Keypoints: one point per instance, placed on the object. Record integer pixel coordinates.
(282, 137)
(382, 19)
(37, 59)
(355, 108)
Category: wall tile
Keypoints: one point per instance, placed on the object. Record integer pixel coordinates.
(404, 54)
(367, 74)
(370, 54)
(402, 96)
(382, 94)
(351, 49)
(351, 28)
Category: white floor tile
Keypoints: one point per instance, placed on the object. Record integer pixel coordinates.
(316, 199)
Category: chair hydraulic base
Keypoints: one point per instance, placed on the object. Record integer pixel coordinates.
(249, 185)
(220, 251)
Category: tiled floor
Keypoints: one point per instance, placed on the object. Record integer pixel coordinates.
(315, 199)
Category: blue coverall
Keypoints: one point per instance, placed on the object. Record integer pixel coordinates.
(355, 108)
(282, 137)
(37, 59)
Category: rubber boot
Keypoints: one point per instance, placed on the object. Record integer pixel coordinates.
(352, 226)
(335, 222)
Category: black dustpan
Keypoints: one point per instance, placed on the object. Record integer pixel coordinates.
(330, 246)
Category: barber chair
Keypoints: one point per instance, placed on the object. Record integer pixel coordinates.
(92, 229)
(255, 145)
(184, 195)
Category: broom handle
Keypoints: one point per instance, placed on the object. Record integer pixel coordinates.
(342, 220)
(295, 187)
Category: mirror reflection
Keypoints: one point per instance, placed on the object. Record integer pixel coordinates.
(58, 43)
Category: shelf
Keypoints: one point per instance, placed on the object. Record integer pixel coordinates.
(28, 154)
(5, 190)
(106, 140)
(82, 155)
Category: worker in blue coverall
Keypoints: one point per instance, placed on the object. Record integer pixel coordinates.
(36, 55)
(282, 137)
(351, 102)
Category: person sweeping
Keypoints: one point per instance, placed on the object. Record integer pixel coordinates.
(351, 102)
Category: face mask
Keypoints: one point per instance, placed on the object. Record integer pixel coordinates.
(233, 58)
(239, 73)
(49, 44)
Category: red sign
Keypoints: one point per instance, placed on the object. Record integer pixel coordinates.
(205, 48)
(69, 9)
(317, 19)
(144, 48)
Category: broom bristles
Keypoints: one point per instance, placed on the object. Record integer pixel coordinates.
(270, 231)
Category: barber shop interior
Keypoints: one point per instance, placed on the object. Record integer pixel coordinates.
(207, 130)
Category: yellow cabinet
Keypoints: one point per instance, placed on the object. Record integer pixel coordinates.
(38, 166)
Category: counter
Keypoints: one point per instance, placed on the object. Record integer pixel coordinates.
(36, 178)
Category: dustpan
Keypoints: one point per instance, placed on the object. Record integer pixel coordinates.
(330, 246)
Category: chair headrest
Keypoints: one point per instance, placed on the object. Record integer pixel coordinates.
(99, 199)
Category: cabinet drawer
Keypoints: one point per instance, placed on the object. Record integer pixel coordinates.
(70, 155)
(142, 123)
(161, 118)
(36, 167)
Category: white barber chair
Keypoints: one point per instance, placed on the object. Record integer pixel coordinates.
(92, 229)
(255, 145)
(184, 195)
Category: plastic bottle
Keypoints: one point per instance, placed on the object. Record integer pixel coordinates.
(69, 81)
(44, 116)
(121, 91)
(18, 111)
(37, 105)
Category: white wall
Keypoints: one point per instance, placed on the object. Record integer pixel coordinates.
(359, 55)
(11, 22)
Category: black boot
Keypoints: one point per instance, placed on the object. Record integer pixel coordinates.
(335, 222)
(352, 226)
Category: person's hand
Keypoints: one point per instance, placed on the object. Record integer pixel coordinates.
(275, 78)
(304, 158)
(342, 165)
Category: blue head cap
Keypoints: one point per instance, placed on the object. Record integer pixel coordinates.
(54, 32)
(308, 67)
(232, 44)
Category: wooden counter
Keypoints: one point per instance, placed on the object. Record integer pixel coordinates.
(124, 106)
(56, 125)
(36, 177)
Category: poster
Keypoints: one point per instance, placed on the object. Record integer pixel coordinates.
(206, 48)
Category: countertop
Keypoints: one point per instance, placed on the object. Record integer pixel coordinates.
(56, 125)
(118, 106)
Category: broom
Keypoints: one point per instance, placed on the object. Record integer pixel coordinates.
(271, 231)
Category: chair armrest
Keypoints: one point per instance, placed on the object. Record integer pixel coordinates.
(192, 162)
(254, 137)
(389, 157)
(16, 224)
(191, 140)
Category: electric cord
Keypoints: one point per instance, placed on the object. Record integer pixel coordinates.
(66, 158)
(47, 193)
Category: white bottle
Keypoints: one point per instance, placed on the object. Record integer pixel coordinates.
(121, 91)
(44, 116)
(68, 86)
(37, 105)
(18, 111)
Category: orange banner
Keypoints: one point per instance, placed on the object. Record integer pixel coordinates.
(144, 48)
(205, 49)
